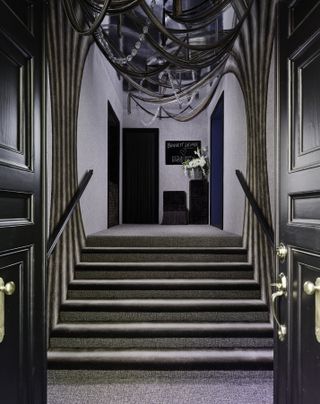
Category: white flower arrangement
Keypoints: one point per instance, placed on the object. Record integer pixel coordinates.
(200, 162)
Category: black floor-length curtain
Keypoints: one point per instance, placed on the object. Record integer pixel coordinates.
(250, 62)
(141, 176)
(67, 52)
(113, 167)
(217, 164)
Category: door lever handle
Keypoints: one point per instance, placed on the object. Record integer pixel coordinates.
(314, 289)
(5, 289)
(281, 287)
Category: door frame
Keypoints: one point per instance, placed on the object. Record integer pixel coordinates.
(212, 175)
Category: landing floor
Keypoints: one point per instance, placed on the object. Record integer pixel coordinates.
(155, 230)
(162, 235)
(125, 387)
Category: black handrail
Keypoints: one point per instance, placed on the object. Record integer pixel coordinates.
(256, 208)
(56, 234)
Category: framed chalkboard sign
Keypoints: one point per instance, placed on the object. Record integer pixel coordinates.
(177, 151)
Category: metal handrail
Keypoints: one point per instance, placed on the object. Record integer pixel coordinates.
(256, 208)
(58, 230)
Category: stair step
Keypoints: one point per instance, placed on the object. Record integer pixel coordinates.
(161, 254)
(161, 343)
(183, 359)
(162, 288)
(163, 241)
(160, 270)
(126, 316)
(162, 294)
(168, 329)
(160, 284)
(165, 304)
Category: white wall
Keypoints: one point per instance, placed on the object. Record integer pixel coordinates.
(235, 151)
(171, 177)
(100, 84)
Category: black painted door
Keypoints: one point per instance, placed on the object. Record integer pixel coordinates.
(113, 167)
(216, 171)
(23, 348)
(297, 358)
(141, 176)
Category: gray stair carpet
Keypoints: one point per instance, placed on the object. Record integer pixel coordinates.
(142, 387)
(188, 301)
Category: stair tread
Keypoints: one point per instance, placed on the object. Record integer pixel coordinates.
(134, 358)
(161, 329)
(173, 304)
(166, 249)
(155, 352)
(165, 264)
(165, 326)
(175, 283)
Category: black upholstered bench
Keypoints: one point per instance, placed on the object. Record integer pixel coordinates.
(175, 208)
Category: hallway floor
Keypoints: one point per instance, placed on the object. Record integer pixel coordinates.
(141, 387)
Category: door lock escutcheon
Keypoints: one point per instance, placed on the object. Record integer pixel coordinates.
(281, 290)
(314, 289)
(5, 289)
(282, 252)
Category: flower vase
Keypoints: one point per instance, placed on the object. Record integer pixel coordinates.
(196, 174)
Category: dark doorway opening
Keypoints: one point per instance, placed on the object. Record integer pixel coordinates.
(113, 167)
(141, 176)
(216, 172)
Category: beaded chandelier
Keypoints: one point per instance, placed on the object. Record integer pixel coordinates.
(171, 53)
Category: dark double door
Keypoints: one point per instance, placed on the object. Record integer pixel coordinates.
(22, 330)
(297, 357)
(141, 176)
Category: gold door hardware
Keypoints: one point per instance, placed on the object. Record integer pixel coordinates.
(282, 252)
(314, 289)
(281, 290)
(5, 289)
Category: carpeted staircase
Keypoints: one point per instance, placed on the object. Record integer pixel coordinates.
(163, 303)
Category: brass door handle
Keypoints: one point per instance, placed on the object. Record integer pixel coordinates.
(281, 287)
(314, 289)
(5, 289)
(8, 289)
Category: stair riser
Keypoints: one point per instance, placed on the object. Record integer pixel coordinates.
(164, 241)
(149, 366)
(162, 257)
(133, 274)
(104, 316)
(141, 333)
(145, 294)
(170, 363)
(152, 366)
(161, 343)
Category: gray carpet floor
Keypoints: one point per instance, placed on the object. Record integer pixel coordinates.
(164, 231)
(141, 387)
